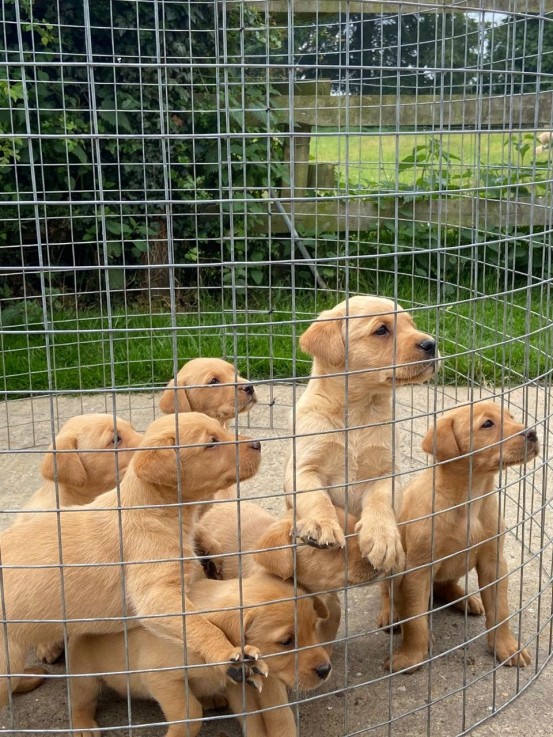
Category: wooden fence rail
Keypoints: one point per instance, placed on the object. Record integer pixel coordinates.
(335, 216)
(511, 112)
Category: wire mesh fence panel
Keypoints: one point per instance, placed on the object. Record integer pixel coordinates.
(276, 356)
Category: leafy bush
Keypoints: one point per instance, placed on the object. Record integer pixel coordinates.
(120, 126)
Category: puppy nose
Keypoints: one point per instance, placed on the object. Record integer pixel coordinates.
(531, 435)
(256, 445)
(323, 670)
(248, 388)
(428, 346)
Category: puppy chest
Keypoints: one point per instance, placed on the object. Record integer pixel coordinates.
(457, 547)
(364, 454)
(455, 567)
(354, 472)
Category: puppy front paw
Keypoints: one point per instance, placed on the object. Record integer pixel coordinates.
(81, 727)
(407, 660)
(471, 605)
(320, 533)
(246, 666)
(213, 568)
(386, 621)
(381, 545)
(49, 652)
(509, 652)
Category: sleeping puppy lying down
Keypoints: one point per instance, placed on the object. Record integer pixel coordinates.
(265, 544)
(267, 622)
(363, 349)
(135, 530)
(453, 506)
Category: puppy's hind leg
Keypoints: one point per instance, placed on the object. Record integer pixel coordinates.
(49, 652)
(84, 689)
(278, 722)
(387, 618)
(245, 704)
(33, 679)
(452, 593)
(177, 703)
(16, 665)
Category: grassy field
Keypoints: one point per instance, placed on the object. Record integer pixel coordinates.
(460, 159)
(487, 337)
(490, 340)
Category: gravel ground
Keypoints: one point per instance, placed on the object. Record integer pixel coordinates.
(460, 688)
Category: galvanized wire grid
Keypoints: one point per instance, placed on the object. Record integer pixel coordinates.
(180, 180)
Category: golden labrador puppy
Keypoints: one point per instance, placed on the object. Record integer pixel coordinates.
(317, 570)
(267, 622)
(91, 453)
(451, 507)
(211, 386)
(346, 410)
(127, 541)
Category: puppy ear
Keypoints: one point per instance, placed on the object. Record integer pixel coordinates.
(278, 562)
(441, 440)
(255, 621)
(321, 608)
(67, 467)
(172, 397)
(158, 467)
(323, 339)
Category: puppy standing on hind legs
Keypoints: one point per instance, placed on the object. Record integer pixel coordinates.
(384, 351)
(449, 508)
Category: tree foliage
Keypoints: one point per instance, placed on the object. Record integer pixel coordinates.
(520, 53)
(381, 54)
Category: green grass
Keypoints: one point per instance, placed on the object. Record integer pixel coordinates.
(483, 340)
(475, 158)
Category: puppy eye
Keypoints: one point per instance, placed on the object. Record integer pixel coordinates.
(287, 642)
(488, 423)
(382, 330)
(214, 381)
(212, 443)
(117, 440)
